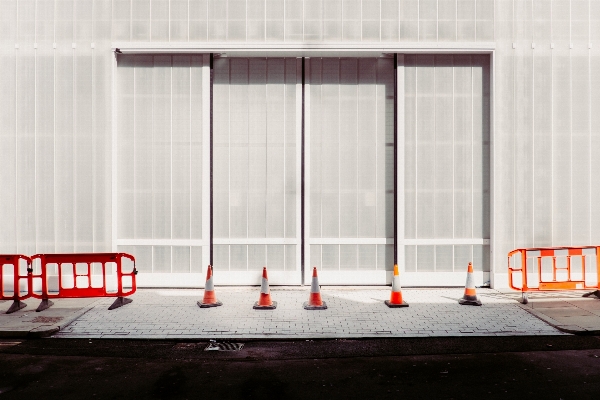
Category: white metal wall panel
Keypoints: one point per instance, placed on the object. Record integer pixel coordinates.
(466, 20)
(350, 192)
(523, 127)
(595, 143)
(428, 20)
(542, 123)
(255, 165)
(484, 20)
(408, 19)
(504, 140)
(56, 102)
(273, 20)
(447, 161)
(160, 163)
(25, 146)
(580, 148)
(446, 20)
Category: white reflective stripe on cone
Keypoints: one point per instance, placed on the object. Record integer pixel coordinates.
(264, 287)
(396, 283)
(209, 285)
(314, 285)
(470, 284)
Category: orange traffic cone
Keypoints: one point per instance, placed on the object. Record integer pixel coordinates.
(470, 297)
(264, 301)
(396, 296)
(314, 300)
(210, 299)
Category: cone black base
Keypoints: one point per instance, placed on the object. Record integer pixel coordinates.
(271, 307)
(311, 307)
(207, 305)
(45, 304)
(467, 302)
(119, 302)
(393, 305)
(16, 306)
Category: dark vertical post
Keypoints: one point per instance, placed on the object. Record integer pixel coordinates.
(302, 179)
(395, 158)
(211, 157)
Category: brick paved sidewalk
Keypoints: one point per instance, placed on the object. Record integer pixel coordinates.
(353, 312)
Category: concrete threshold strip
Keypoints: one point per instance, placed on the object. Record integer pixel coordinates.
(562, 322)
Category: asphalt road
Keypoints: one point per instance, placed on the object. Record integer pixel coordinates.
(556, 367)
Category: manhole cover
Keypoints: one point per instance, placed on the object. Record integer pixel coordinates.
(224, 346)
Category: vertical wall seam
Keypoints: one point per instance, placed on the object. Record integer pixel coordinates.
(35, 134)
(190, 170)
(211, 157)
(533, 169)
(434, 151)
(74, 244)
(416, 127)
(590, 121)
(93, 105)
(453, 158)
(302, 171)
(16, 195)
(171, 146)
(396, 164)
(571, 124)
(55, 219)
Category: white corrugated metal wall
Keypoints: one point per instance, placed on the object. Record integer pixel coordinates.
(56, 107)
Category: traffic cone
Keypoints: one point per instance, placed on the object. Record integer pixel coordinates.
(264, 301)
(314, 300)
(470, 297)
(396, 296)
(210, 298)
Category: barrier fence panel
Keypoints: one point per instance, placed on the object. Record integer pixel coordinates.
(72, 276)
(554, 268)
(14, 280)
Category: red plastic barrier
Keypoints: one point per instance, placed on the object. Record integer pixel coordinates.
(68, 266)
(13, 260)
(558, 260)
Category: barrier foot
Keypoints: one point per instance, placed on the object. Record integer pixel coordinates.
(44, 305)
(594, 293)
(120, 301)
(524, 299)
(16, 306)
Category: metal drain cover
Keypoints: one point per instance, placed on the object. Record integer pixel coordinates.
(212, 346)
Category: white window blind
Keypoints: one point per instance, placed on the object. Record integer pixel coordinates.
(447, 147)
(160, 161)
(255, 164)
(351, 166)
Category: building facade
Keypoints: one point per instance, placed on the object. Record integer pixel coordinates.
(342, 134)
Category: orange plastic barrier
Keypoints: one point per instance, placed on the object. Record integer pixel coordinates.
(553, 268)
(10, 262)
(72, 278)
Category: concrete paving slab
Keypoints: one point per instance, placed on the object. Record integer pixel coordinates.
(354, 312)
(571, 311)
(29, 323)
(569, 314)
